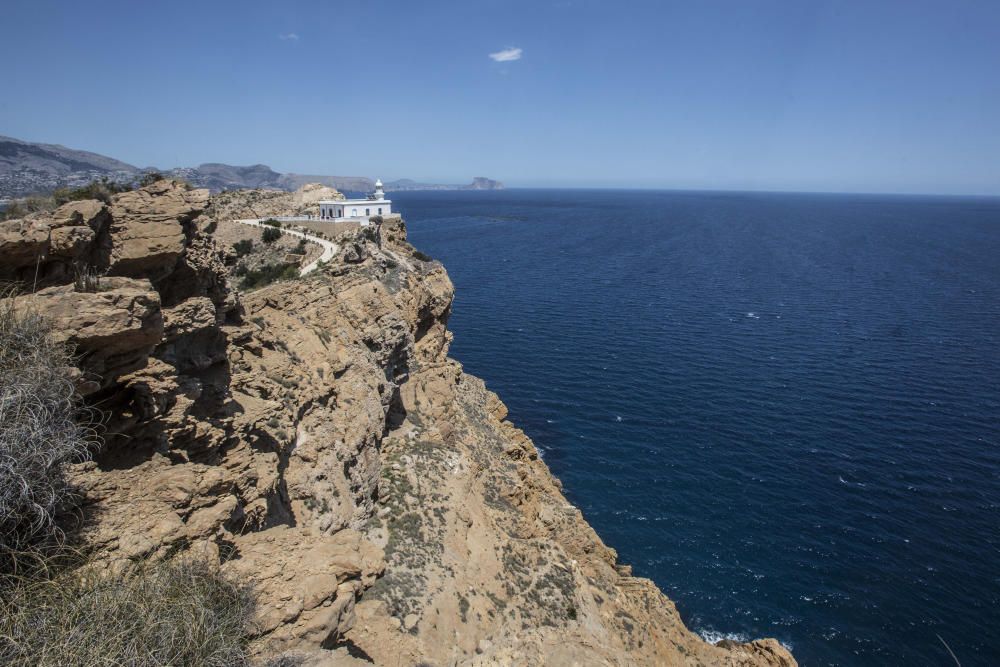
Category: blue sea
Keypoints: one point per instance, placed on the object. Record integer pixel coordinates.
(782, 408)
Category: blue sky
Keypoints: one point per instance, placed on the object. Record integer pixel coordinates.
(777, 95)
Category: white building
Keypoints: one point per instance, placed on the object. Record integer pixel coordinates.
(355, 209)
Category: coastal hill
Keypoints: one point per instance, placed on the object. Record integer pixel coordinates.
(478, 183)
(311, 438)
(32, 168)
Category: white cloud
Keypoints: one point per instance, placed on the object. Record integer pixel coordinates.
(289, 36)
(507, 55)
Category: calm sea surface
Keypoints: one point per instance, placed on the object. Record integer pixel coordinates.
(784, 409)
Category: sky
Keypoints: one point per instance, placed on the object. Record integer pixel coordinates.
(839, 96)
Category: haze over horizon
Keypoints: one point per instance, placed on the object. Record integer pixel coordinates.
(776, 95)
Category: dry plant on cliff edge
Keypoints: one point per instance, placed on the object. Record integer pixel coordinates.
(54, 608)
(177, 612)
(40, 426)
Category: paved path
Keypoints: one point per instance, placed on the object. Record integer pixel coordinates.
(329, 247)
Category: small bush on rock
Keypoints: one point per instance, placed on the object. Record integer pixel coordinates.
(149, 178)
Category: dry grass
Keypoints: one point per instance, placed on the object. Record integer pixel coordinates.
(177, 612)
(40, 427)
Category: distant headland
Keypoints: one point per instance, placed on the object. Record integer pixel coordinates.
(28, 168)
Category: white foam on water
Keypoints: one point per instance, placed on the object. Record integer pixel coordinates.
(753, 316)
(714, 636)
(618, 418)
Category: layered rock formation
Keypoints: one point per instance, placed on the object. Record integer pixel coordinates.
(315, 438)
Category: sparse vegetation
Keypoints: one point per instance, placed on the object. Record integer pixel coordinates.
(176, 612)
(423, 257)
(102, 189)
(40, 428)
(149, 178)
(265, 275)
(271, 222)
(86, 278)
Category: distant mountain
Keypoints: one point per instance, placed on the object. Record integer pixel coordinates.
(478, 183)
(342, 183)
(216, 176)
(28, 168)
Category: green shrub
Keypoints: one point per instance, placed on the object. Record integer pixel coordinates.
(176, 612)
(40, 427)
(423, 257)
(149, 178)
(271, 222)
(102, 189)
(243, 247)
(26, 206)
(267, 274)
(270, 235)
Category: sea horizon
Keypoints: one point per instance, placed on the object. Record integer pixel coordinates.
(771, 405)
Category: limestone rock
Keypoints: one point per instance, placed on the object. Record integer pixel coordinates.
(148, 228)
(308, 584)
(113, 331)
(22, 245)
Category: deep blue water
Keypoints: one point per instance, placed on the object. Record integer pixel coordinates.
(784, 409)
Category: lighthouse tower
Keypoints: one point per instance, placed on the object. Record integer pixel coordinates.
(357, 209)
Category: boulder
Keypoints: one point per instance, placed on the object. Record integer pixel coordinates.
(112, 331)
(22, 245)
(148, 228)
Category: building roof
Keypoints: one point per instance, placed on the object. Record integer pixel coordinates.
(343, 202)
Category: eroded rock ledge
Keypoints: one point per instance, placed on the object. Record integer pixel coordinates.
(315, 438)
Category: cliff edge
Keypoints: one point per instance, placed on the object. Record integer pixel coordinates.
(314, 438)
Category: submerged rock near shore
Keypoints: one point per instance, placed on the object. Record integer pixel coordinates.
(315, 438)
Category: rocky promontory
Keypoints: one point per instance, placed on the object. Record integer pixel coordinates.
(314, 439)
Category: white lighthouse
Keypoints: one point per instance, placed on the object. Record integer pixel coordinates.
(357, 209)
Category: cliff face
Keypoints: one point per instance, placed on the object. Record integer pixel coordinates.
(315, 438)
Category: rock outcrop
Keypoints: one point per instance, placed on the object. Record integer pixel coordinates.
(315, 439)
(235, 204)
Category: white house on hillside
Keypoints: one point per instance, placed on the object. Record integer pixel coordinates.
(354, 209)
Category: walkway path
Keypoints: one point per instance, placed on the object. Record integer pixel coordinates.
(330, 249)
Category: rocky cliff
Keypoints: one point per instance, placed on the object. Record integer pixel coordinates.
(315, 438)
